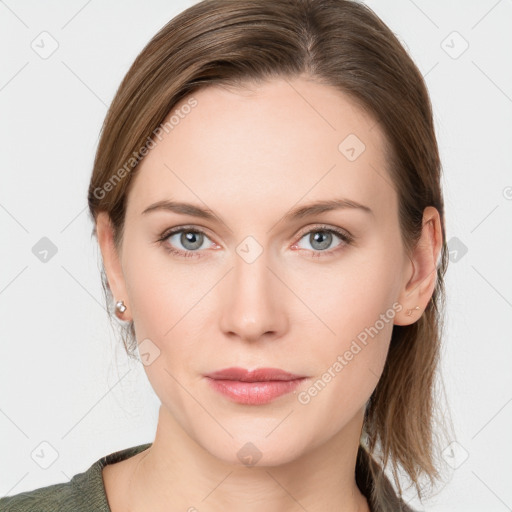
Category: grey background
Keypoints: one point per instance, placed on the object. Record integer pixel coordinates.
(64, 377)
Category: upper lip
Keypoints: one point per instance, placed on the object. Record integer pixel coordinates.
(257, 375)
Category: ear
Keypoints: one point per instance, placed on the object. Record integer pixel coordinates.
(112, 263)
(421, 280)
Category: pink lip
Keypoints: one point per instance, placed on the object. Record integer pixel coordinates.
(255, 387)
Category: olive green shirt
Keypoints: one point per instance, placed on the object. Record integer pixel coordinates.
(85, 492)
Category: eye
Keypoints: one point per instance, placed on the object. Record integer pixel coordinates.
(184, 241)
(321, 240)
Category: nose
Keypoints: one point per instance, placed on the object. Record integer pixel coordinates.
(252, 301)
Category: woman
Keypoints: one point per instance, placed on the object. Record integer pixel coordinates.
(266, 197)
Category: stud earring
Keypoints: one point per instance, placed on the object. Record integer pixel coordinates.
(120, 306)
(410, 311)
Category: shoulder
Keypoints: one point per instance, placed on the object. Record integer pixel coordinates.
(57, 497)
(84, 492)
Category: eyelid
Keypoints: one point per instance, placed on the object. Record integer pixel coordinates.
(185, 227)
(343, 233)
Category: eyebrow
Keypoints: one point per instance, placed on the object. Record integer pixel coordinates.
(297, 213)
(183, 208)
(326, 206)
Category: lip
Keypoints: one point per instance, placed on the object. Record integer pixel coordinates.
(253, 387)
(257, 375)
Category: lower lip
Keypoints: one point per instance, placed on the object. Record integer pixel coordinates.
(254, 393)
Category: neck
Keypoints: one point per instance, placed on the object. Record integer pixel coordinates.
(176, 473)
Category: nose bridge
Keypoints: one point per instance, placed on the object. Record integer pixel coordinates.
(251, 275)
(251, 306)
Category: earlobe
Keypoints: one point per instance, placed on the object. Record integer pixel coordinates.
(420, 286)
(112, 265)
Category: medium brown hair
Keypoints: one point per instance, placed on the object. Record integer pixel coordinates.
(334, 42)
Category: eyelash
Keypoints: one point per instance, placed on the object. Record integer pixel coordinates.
(345, 237)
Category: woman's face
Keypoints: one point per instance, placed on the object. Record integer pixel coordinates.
(262, 285)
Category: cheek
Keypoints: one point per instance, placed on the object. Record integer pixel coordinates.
(167, 307)
(356, 309)
(349, 296)
(170, 301)
(349, 365)
(161, 291)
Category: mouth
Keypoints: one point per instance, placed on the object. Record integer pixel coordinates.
(257, 375)
(256, 387)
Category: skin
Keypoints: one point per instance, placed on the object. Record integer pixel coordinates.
(251, 155)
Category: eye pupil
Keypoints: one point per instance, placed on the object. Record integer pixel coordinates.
(324, 238)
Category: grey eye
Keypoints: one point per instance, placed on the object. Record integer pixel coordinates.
(320, 240)
(189, 239)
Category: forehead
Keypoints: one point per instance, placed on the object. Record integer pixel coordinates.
(270, 145)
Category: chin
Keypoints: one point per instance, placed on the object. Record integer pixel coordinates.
(256, 450)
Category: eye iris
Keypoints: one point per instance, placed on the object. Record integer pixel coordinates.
(324, 238)
(193, 238)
